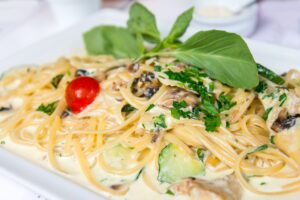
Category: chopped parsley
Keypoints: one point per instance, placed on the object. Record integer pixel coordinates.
(260, 148)
(212, 122)
(267, 112)
(180, 110)
(272, 139)
(48, 108)
(2, 142)
(211, 87)
(271, 95)
(191, 78)
(169, 192)
(200, 154)
(224, 102)
(282, 99)
(150, 107)
(262, 86)
(128, 108)
(227, 124)
(263, 183)
(56, 80)
(157, 68)
(208, 106)
(160, 121)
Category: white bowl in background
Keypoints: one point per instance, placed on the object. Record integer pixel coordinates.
(243, 23)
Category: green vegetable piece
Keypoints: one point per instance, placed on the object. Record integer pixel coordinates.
(56, 80)
(212, 122)
(208, 107)
(169, 192)
(176, 164)
(272, 139)
(160, 121)
(142, 21)
(267, 112)
(48, 108)
(227, 124)
(180, 26)
(225, 57)
(282, 99)
(258, 149)
(200, 154)
(272, 76)
(139, 174)
(112, 40)
(224, 102)
(150, 107)
(128, 109)
(157, 68)
(118, 156)
(262, 86)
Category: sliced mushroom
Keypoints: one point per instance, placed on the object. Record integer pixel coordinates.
(146, 85)
(178, 94)
(6, 108)
(284, 121)
(221, 189)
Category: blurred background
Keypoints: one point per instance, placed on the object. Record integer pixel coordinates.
(23, 22)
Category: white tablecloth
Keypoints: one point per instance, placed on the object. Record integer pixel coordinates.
(279, 23)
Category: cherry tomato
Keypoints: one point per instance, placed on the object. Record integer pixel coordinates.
(81, 92)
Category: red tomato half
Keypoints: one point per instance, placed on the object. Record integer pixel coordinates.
(81, 92)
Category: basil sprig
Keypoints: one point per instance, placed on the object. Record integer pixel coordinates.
(224, 56)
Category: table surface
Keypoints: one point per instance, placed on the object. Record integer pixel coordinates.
(38, 23)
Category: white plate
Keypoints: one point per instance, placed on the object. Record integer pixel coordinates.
(69, 42)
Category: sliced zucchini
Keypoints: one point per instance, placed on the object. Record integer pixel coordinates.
(175, 164)
(119, 156)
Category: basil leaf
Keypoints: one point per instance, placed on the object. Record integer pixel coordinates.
(128, 108)
(225, 56)
(112, 40)
(48, 108)
(142, 21)
(56, 80)
(180, 26)
(212, 122)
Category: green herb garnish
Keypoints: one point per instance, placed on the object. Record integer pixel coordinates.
(169, 192)
(150, 107)
(160, 121)
(262, 86)
(263, 183)
(128, 109)
(260, 148)
(212, 122)
(2, 142)
(282, 99)
(157, 68)
(48, 108)
(227, 124)
(224, 102)
(267, 112)
(200, 154)
(272, 139)
(227, 59)
(56, 80)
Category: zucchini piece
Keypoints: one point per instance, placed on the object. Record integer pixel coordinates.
(119, 156)
(268, 74)
(175, 164)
